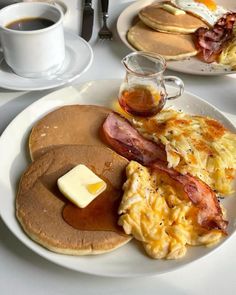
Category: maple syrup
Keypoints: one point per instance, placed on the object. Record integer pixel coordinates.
(100, 215)
(142, 92)
(143, 101)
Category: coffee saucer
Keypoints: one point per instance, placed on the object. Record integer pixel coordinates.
(79, 56)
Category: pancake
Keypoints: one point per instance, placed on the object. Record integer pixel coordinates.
(170, 46)
(39, 203)
(159, 19)
(73, 124)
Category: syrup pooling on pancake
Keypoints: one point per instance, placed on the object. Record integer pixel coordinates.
(39, 203)
(207, 10)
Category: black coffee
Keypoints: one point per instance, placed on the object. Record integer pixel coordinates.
(30, 24)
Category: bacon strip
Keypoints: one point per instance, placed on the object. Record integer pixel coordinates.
(210, 42)
(209, 211)
(126, 140)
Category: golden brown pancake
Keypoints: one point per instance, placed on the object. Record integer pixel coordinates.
(170, 46)
(161, 20)
(39, 203)
(73, 124)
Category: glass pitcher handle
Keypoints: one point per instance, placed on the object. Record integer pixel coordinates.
(177, 82)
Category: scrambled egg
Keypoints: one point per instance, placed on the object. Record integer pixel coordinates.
(194, 144)
(228, 55)
(156, 214)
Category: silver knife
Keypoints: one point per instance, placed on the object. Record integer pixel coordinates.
(87, 24)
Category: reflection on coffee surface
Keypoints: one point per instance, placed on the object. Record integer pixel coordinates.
(30, 24)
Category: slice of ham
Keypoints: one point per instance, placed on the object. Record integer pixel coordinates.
(126, 140)
(210, 42)
(210, 215)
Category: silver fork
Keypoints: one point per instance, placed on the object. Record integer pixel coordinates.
(105, 33)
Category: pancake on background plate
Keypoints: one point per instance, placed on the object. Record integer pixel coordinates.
(72, 124)
(170, 46)
(39, 203)
(161, 20)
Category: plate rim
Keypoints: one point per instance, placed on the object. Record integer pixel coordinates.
(56, 83)
(48, 255)
(171, 67)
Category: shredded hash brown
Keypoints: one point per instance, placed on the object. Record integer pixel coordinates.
(197, 145)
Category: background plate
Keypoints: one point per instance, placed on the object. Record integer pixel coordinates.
(189, 66)
(129, 260)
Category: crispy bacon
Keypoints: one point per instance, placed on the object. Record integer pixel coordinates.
(201, 195)
(126, 140)
(210, 42)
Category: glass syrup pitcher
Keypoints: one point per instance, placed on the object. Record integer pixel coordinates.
(143, 92)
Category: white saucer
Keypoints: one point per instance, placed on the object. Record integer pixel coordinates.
(79, 56)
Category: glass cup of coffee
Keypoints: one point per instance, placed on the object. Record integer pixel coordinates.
(143, 92)
(32, 38)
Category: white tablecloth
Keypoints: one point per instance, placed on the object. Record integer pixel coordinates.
(24, 272)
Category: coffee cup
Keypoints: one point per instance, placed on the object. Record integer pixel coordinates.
(32, 38)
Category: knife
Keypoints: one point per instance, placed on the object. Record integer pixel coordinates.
(87, 24)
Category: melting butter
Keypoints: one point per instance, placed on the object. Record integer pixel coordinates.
(81, 186)
(173, 10)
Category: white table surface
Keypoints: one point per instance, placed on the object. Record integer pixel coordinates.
(24, 272)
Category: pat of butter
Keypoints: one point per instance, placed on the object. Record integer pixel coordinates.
(173, 10)
(81, 186)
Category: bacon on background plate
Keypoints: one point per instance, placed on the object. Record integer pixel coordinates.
(210, 42)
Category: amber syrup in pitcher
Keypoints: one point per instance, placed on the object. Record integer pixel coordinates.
(141, 100)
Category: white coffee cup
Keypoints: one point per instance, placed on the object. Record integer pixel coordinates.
(36, 53)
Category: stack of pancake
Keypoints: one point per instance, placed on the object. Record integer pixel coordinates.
(164, 33)
(61, 140)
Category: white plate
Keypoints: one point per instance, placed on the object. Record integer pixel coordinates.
(189, 66)
(129, 260)
(79, 56)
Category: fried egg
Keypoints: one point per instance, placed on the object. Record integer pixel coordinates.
(158, 215)
(206, 10)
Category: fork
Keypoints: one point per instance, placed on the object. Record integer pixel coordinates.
(104, 32)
